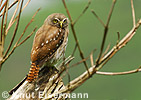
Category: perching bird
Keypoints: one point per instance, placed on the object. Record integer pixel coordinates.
(49, 43)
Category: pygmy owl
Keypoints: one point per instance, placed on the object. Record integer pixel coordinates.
(49, 43)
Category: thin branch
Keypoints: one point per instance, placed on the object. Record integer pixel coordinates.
(67, 10)
(133, 13)
(10, 6)
(26, 5)
(98, 18)
(79, 62)
(5, 3)
(13, 49)
(15, 31)
(75, 37)
(5, 22)
(122, 43)
(2, 23)
(85, 9)
(107, 49)
(27, 27)
(118, 34)
(13, 4)
(11, 21)
(27, 37)
(1, 2)
(67, 72)
(17, 43)
(3, 28)
(105, 33)
(120, 73)
(110, 13)
(91, 57)
(74, 50)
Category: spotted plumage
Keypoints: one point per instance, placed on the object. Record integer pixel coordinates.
(49, 43)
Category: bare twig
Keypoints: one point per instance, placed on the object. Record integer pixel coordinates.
(75, 37)
(26, 5)
(27, 37)
(74, 50)
(122, 43)
(118, 37)
(27, 27)
(91, 57)
(85, 9)
(67, 10)
(98, 18)
(17, 43)
(13, 4)
(2, 23)
(15, 31)
(79, 62)
(133, 13)
(5, 3)
(119, 73)
(108, 47)
(3, 28)
(1, 2)
(13, 49)
(105, 33)
(5, 22)
(10, 6)
(11, 21)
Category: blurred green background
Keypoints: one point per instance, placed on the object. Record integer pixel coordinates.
(89, 32)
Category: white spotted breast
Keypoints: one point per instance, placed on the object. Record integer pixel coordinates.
(46, 43)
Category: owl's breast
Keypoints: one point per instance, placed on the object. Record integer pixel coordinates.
(50, 42)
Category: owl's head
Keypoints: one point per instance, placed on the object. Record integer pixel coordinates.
(57, 19)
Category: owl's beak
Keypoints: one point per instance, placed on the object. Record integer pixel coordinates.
(61, 23)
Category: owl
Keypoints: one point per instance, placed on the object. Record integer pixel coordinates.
(49, 43)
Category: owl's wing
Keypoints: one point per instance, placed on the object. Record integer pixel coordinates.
(47, 40)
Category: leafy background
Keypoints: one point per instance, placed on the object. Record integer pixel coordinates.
(89, 32)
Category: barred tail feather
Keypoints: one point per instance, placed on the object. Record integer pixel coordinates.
(33, 73)
(36, 72)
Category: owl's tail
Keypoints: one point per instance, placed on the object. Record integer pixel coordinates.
(33, 73)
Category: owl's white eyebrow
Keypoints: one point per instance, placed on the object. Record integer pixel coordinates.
(57, 19)
(65, 19)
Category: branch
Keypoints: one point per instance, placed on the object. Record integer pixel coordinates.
(74, 34)
(18, 43)
(15, 30)
(122, 43)
(83, 77)
(120, 73)
(10, 6)
(105, 33)
(12, 18)
(133, 13)
(85, 9)
(98, 18)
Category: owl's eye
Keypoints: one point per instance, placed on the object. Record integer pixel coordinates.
(65, 21)
(55, 21)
